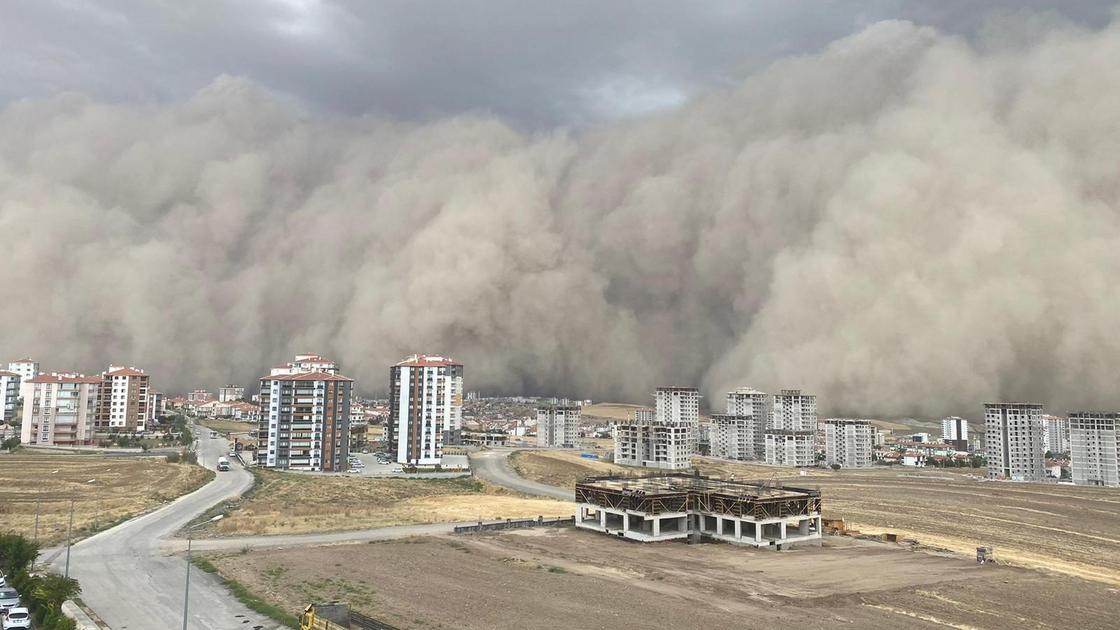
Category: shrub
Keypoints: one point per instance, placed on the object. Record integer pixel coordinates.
(173, 458)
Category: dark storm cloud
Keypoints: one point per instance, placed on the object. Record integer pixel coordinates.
(534, 63)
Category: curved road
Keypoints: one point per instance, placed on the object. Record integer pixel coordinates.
(493, 466)
(131, 582)
(133, 575)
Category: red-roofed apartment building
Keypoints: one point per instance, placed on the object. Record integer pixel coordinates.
(425, 408)
(59, 409)
(305, 417)
(124, 401)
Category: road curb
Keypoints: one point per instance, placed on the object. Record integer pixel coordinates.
(81, 619)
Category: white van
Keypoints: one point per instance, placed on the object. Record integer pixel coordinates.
(223, 464)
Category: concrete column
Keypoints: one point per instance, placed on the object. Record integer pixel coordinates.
(625, 522)
(719, 525)
(757, 532)
(738, 529)
(656, 527)
(602, 519)
(782, 537)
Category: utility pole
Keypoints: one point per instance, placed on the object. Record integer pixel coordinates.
(38, 500)
(187, 589)
(68, 529)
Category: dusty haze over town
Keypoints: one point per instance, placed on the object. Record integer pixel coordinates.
(899, 215)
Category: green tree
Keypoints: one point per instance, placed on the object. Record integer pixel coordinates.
(51, 590)
(10, 444)
(16, 553)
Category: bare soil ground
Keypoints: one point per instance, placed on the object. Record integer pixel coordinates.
(226, 427)
(105, 490)
(290, 503)
(1063, 528)
(559, 468)
(610, 411)
(548, 578)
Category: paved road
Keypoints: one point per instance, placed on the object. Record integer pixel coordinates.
(131, 582)
(493, 466)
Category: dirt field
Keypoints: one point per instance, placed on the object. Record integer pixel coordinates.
(1071, 530)
(288, 503)
(559, 468)
(550, 578)
(611, 411)
(225, 427)
(121, 487)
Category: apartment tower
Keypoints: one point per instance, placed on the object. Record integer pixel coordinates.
(848, 443)
(60, 409)
(9, 394)
(1055, 434)
(558, 426)
(123, 401)
(739, 434)
(1014, 441)
(230, 393)
(305, 421)
(425, 408)
(26, 368)
(954, 432)
(665, 437)
(1094, 448)
(793, 427)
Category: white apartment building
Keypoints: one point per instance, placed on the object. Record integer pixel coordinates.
(792, 431)
(9, 394)
(737, 437)
(848, 443)
(1013, 434)
(425, 408)
(558, 426)
(954, 428)
(59, 409)
(664, 438)
(230, 393)
(740, 433)
(1095, 448)
(26, 368)
(1055, 434)
(124, 400)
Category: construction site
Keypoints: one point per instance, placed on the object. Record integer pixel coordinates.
(676, 506)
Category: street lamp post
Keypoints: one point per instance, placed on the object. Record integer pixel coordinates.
(187, 590)
(68, 528)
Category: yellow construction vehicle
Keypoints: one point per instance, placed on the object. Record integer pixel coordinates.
(337, 616)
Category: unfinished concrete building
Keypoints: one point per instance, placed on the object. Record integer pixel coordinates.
(1095, 448)
(739, 433)
(664, 438)
(1014, 441)
(848, 443)
(680, 506)
(558, 426)
(789, 438)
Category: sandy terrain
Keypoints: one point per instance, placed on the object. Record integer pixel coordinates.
(564, 577)
(1072, 530)
(290, 503)
(105, 490)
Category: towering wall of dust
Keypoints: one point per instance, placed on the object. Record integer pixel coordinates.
(905, 223)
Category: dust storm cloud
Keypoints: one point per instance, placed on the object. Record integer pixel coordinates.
(906, 223)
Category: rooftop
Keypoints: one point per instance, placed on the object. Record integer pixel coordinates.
(308, 376)
(683, 483)
(64, 378)
(425, 360)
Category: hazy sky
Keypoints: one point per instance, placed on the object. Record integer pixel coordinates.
(535, 63)
(903, 207)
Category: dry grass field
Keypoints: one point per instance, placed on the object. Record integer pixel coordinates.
(559, 468)
(549, 578)
(611, 411)
(288, 503)
(106, 490)
(225, 427)
(1062, 528)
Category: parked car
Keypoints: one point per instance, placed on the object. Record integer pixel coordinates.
(17, 619)
(232, 453)
(3, 580)
(9, 598)
(397, 469)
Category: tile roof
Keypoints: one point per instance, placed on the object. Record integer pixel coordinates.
(126, 371)
(423, 360)
(64, 378)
